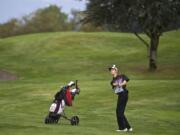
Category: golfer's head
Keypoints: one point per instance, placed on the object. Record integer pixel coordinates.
(113, 70)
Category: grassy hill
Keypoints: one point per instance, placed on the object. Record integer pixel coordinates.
(44, 62)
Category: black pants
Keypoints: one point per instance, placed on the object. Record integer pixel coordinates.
(121, 105)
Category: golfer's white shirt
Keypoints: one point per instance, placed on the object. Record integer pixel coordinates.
(118, 90)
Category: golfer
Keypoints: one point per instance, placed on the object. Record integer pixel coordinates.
(118, 84)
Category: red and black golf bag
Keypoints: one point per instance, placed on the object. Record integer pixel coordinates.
(63, 98)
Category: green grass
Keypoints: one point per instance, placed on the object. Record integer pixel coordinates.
(44, 62)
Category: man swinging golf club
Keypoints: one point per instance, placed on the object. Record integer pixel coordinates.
(118, 84)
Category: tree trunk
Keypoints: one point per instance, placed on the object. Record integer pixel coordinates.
(153, 52)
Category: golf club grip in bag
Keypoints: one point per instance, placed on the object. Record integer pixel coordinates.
(76, 83)
(77, 87)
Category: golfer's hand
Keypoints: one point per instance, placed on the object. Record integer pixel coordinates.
(115, 84)
(123, 83)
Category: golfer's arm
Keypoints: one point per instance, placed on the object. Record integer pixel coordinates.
(120, 84)
(123, 83)
(115, 84)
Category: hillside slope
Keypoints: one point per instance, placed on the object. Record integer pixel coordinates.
(61, 54)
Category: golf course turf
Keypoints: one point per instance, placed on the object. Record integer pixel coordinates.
(44, 62)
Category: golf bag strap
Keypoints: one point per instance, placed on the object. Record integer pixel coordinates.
(57, 106)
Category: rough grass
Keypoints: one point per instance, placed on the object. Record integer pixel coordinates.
(44, 62)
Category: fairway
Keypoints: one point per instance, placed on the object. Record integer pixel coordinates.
(44, 62)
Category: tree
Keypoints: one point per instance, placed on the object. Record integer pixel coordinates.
(48, 19)
(77, 24)
(152, 17)
(9, 28)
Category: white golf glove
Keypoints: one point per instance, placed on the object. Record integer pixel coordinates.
(71, 83)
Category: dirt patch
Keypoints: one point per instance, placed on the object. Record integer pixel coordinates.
(5, 75)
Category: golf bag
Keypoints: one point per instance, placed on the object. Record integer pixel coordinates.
(63, 98)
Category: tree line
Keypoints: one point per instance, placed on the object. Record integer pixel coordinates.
(49, 19)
